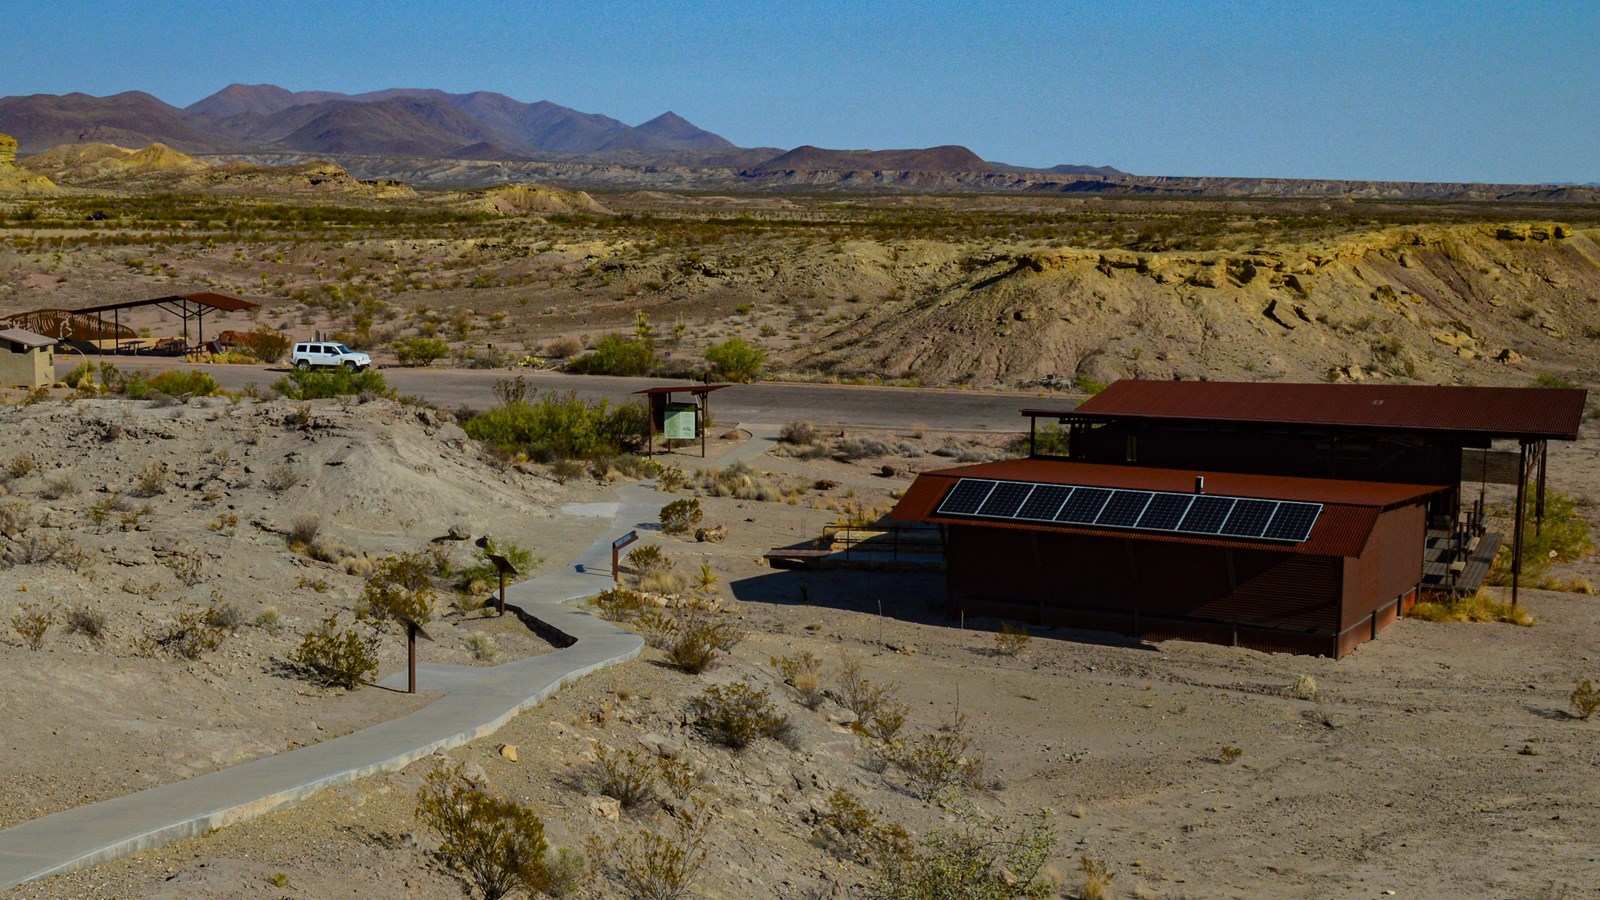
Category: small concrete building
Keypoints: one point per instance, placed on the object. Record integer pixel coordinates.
(28, 360)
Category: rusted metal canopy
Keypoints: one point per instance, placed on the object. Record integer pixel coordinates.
(203, 298)
(685, 389)
(1506, 412)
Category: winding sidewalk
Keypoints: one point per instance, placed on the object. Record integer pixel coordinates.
(477, 702)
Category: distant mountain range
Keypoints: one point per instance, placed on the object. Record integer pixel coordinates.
(244, 118)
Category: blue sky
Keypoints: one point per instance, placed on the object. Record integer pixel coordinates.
(1424, 91)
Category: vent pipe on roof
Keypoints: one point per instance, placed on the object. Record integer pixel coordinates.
(1199, 484)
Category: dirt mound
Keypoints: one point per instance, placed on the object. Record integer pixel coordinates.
(97, 164)
(523, 199)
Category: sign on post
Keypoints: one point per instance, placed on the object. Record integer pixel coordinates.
(680, 421)
(616, 548)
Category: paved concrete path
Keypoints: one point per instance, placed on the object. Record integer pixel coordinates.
(478, 701)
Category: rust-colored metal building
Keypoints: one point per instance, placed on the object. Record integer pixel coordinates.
(1282, 517)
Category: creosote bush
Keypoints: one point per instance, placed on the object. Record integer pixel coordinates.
(942, 761)
(482, 573)
(1585, 699)
(681, 516)
(627, 776)
(736, 715)
(879, 712)
(90, 623)
(321, 384)
(556, 426)
(966, 863)
(619, 604)
(337, 657)
(850, 830)
(692, 639)
(186, 636)
(1011, 640)
(497, 845)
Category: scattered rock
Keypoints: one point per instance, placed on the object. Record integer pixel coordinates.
(607, 809)
(713, 534)
(509, 752)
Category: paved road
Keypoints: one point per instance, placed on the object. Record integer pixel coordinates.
(765, 403)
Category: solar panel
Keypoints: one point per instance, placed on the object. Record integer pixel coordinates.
(1124, 508)
(968, 495)
(1292, 521)
(1210, 514)
(1206, 514)
(1006, 498)
(1084, 505)
(1044, 502)
(1165, 512)
(1249, 518)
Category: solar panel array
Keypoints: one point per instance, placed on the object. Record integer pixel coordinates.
(1204, 514)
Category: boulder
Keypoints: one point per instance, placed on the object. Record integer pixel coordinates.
(509, 752)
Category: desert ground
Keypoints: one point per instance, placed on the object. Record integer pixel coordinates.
(1439, 760)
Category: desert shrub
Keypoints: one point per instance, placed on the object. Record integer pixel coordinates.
(627, 776)
(1478, 607)
(648, 559)
(497, 845)
(304, 530)
(803, 673)
(706, 580)
(176, 383)
(269, 620)
(150, 480)
(189, 566)
(565, 470)
(563, 347)
(1097, 878)
(966, 864)
(482, 647)
(280, 479)
(667, 582)
(1011, 641)
(185, 636)
(940, 761)
(619, 604)
(1546, 380)
(850, 830)
(852, 449)
(739, 481)
(1229, 755)
(91, 623)
(81, 377)
(483, 571)
(878, 710)
(1564, 537)
(42, 549)
(1303, 688)
(663, 865)
(59, 486)
(559, 426)
(224, 615)
(337, 657)
(265, 345)
(21, 464)
(321, 384)
(681, 516)
(697, 638)
(15, 519)
(798, 432)
(736, 360)
(420, 351)
(1585, 699)
(616, 355)
(671, 479)
(399, 587)
(736, 715)
(31, 623)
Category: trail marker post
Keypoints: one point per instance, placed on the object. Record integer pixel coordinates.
(616, 548)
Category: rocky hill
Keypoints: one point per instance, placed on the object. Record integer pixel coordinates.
(816, 159)
(161, 168)
(15, 181)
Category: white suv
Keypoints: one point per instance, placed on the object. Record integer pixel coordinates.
(327, 353)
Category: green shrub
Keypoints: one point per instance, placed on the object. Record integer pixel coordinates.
(967, 864)
(265, 345)
(320, 384)
(616, 355)
(736, 715)
(681, 516)
(337, 657)
(400, 587)
(696, 639)
(555, 426)
(483, 571)
(1563, 537)
(420, 351)
(735, 360)
(942, 761)
(81, 377)
(497, 845)
(627, 776)
(1546, 380)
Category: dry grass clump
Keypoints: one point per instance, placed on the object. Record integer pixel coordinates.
(150, 481)
(90, 623)
(1097, 877)
(186, 636)
(803, 673)
(59, 486)
(1011, 640)
(798, 432)
(739, 481)
(1303, 688)
(1585, 698)
(879, 712)
(31, 624)
(280, 479)
(1479, 607)
(620, 604)
(482, 647)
